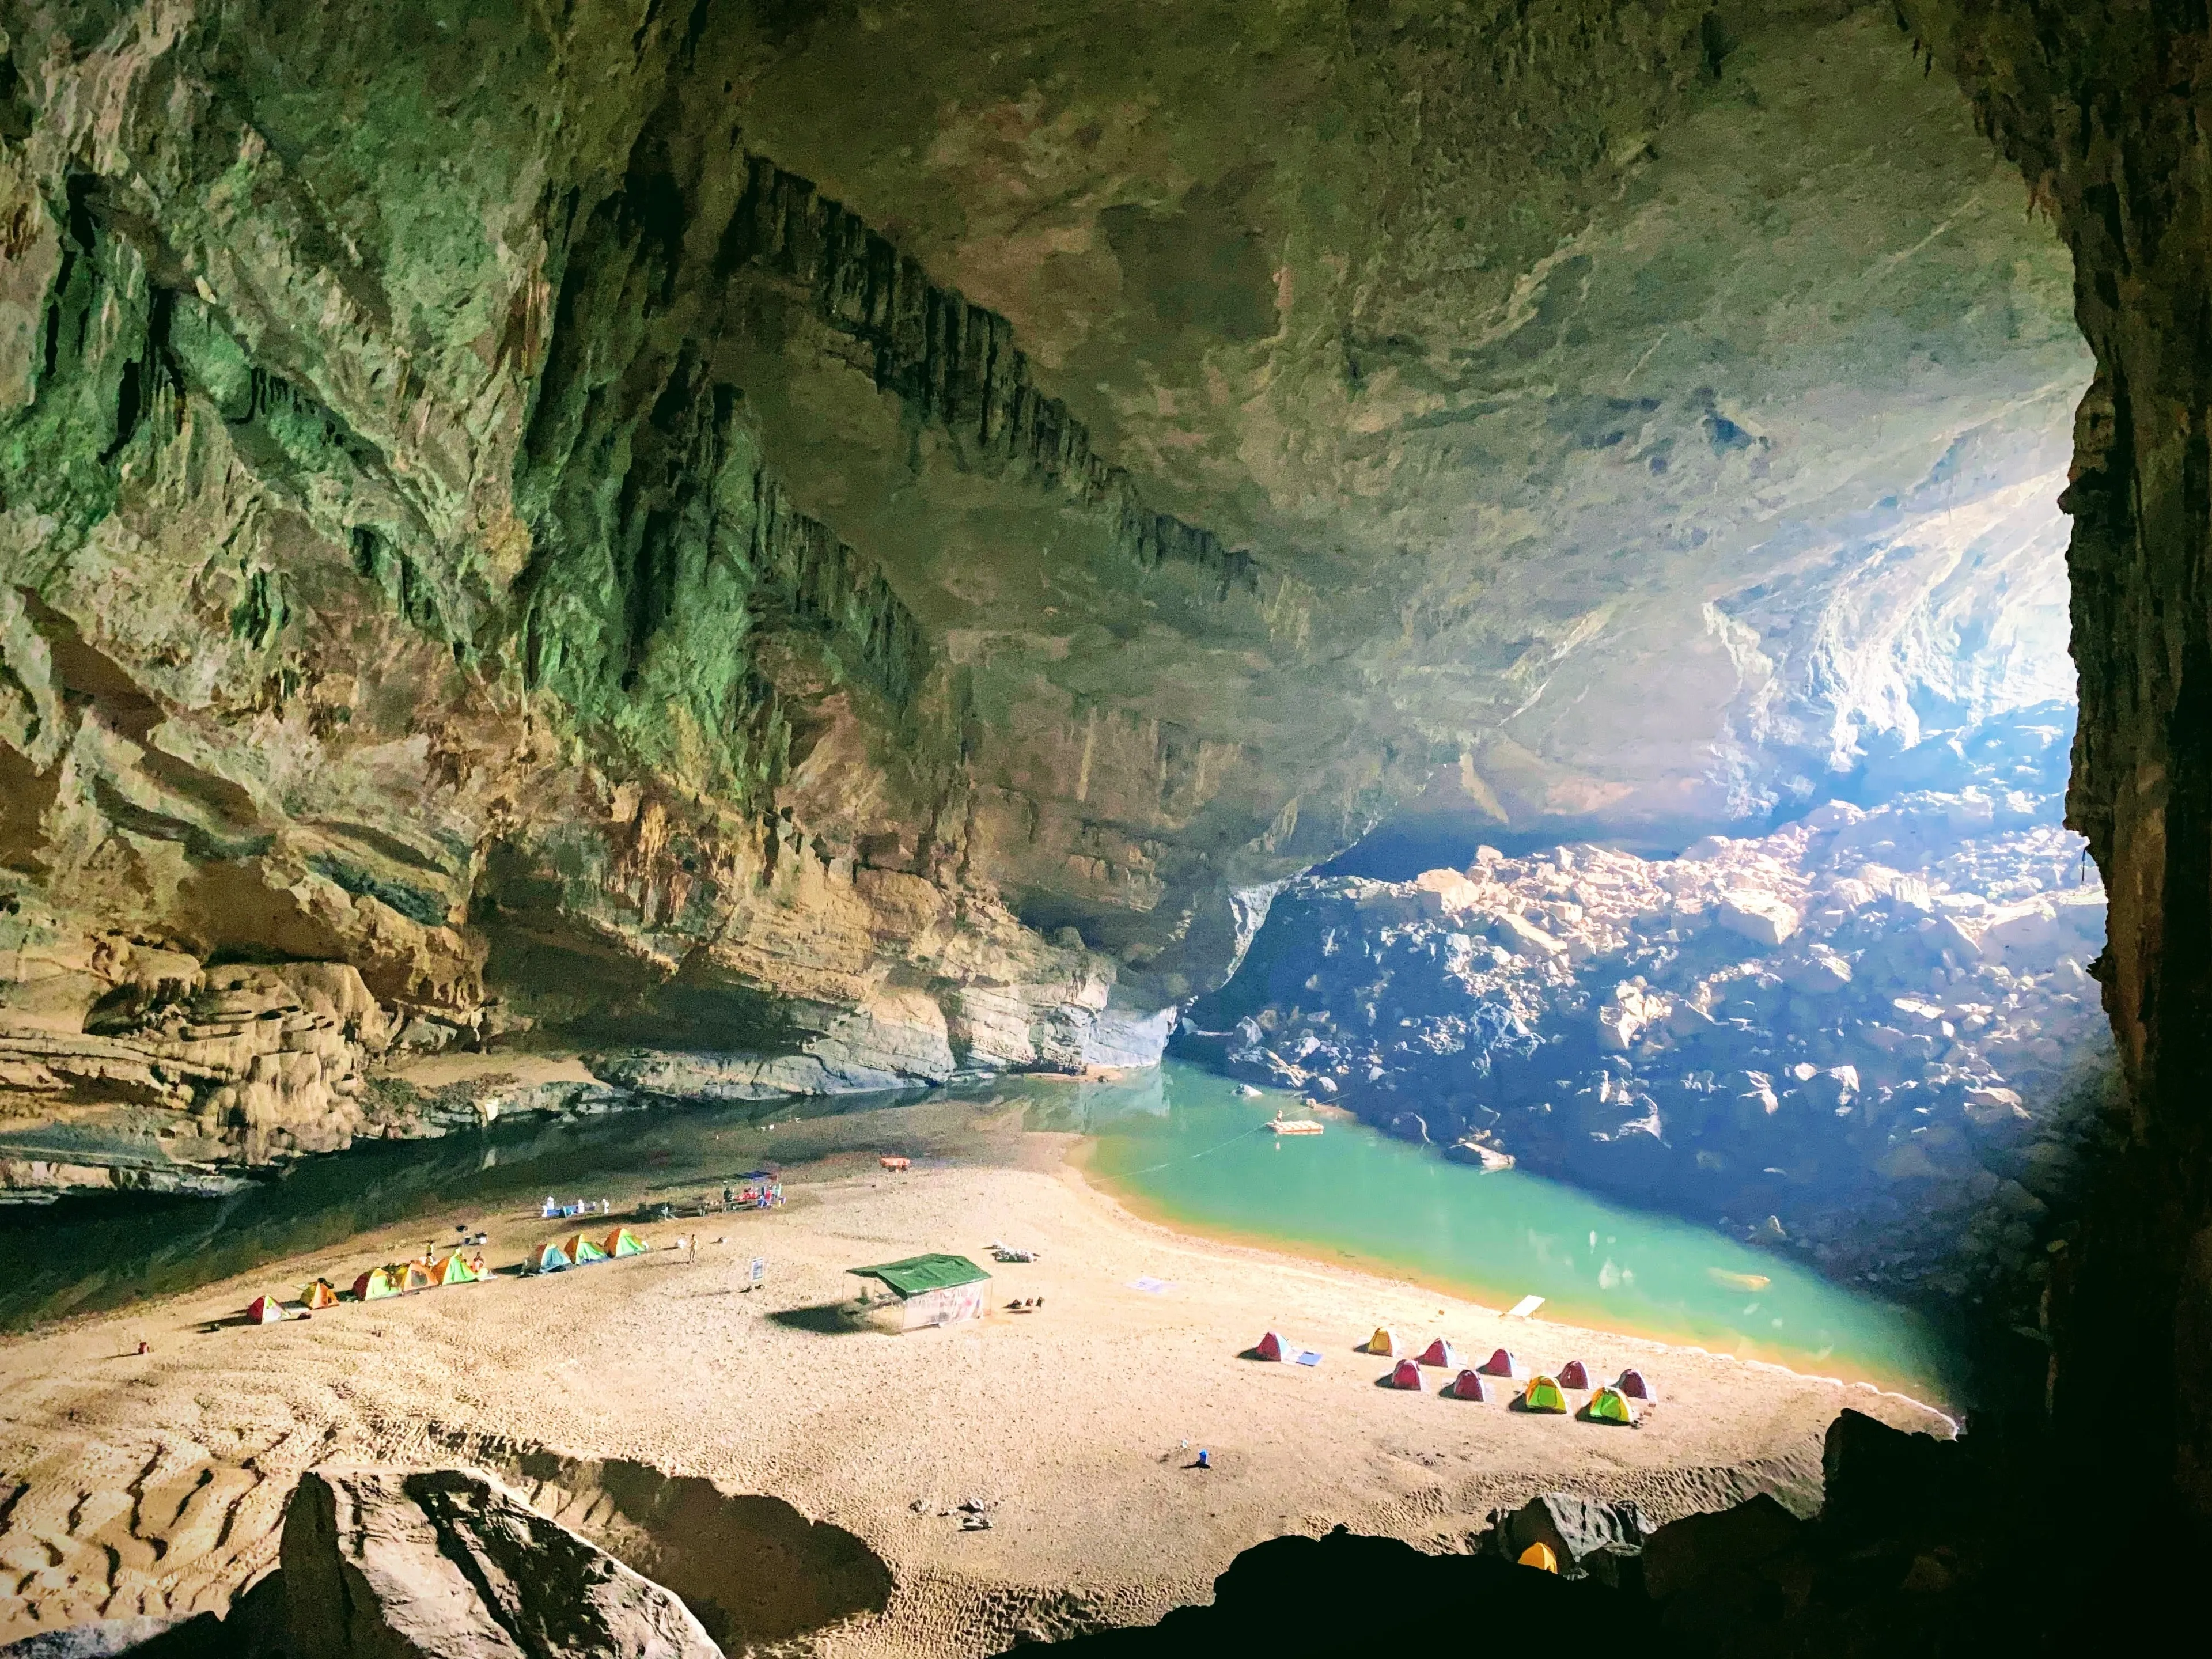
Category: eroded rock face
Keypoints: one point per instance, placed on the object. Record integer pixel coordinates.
(556, 516)
(435, 1563)
(2100, 105)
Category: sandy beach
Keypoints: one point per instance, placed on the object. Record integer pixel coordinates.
(156, 1483)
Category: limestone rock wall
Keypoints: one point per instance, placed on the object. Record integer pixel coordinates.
(550, 512)
(2101, 106)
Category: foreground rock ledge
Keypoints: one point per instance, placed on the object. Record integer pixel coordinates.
(381, 1563)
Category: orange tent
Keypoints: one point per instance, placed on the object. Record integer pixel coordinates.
(319, 1295)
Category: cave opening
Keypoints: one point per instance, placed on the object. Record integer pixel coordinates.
(1527, 631)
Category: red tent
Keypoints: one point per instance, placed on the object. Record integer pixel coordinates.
(1441, 1352)
(1504, 1363)
(1574, 1374)
(1405, 1374)
(1271, 1347)
(264, 1310)
(1470, 1387)
(1632, 1384)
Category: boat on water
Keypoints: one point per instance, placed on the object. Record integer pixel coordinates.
(1293, 1126)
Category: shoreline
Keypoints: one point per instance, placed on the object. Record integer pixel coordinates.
(155, 1483)
(1383, 1272)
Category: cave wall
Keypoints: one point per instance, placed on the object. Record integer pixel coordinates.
(550, 515)
(2102, 106)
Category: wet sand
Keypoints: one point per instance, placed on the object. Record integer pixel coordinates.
(155, 1483)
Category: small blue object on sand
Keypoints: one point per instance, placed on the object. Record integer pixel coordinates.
(1150, 1286)
(1310, 1357)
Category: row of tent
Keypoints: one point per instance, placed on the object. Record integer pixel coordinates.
(1544, 1392)
(402, 1278)
(575, 1250)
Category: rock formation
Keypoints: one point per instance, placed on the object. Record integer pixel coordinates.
(446, 1562)
(1870, 1036)
(552, 515)
(2097, 104)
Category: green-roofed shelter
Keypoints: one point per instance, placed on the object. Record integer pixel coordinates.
(933, 1290)
(622, 1242)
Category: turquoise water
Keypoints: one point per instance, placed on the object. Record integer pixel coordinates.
(1182, 1147)
(1176, 1144)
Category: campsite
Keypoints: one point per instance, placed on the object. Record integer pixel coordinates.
(1137, 1346)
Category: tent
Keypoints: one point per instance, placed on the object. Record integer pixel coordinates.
(1631, 1383)
(375, 1283)
(1441, 1352)
(580, 1249)
(1542, 1394)
(416, 1276)
(1610, 1405)
(1405, 1375)
(319, 1295)
(454, 1271)
(1574, 1374)
(1541, 1557)
(1271, 1347)
(264, 1310)
(1384, 1342)
(1504, 1363)
(548, 1259)
(1470, 1387)
(622, 1241)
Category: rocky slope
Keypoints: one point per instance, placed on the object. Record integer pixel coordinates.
(1870, 1036)
(550, 516)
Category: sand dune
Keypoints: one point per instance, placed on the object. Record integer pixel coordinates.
(155, 1483)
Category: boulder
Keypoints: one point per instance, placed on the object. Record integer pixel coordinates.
(387, 1564)
(1600, 1540)
(1524, 938)
(1761, 917)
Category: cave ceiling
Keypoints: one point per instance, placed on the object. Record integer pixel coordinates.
(813, 502)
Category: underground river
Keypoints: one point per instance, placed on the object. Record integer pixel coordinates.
(1178, 1146)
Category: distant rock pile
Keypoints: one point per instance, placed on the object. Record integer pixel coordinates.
(1869, 1035)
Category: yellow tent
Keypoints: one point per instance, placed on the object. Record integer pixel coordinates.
(622, 1242)
(1610, 1405)
(319, 1295)
(1540, 1556)
(1384, 1342)
(454, 1271)
(1542, 1394)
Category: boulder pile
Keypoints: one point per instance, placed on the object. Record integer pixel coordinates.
(1870, 1034)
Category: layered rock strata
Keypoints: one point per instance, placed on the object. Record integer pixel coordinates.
(1869, 1036)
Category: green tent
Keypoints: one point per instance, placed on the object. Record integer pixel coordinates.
(376, 1283)
(1609, 1406)
(918, 1275)
(1542, 1394)
(622, 1242)
(454, 1271)
(549, 1259)
(581, 1249)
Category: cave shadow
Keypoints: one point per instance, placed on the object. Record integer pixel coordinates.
(821, 1319)
(751, 1568)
